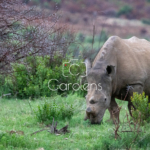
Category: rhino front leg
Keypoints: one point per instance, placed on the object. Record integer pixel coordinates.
(114, 111)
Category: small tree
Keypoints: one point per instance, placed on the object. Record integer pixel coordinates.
(142, 106)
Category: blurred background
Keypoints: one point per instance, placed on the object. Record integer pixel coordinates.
(124, 18)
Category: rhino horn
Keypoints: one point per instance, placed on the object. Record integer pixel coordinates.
(88, 65)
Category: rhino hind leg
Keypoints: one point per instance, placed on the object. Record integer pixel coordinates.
(130, 105)
(114, 111)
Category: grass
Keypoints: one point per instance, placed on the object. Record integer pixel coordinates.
(17, 115)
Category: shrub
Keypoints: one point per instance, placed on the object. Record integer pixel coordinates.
(49, 110)
(31, 78)
(142, 107)
(57, 1)
(125, 10)
(146, 21)
(46, 4)
(103, 36)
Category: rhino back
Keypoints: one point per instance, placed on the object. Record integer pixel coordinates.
(131, 58)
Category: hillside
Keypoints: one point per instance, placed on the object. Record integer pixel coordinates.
(124, 18)
(112, 26)
(129, 9)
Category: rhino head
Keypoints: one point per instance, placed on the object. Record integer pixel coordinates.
(98, 98)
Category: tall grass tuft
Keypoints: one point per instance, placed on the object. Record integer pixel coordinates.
(49, 110)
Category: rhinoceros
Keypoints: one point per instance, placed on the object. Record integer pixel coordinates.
(121, 67)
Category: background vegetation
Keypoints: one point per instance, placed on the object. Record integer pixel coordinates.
(31, 76)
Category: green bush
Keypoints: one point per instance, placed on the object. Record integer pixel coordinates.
(57, 1)
(31, 78)
(142, 107)
(46, 4)
(49, 110)
(146, 21)
(125, 10)
(36, 1)
(103, 36)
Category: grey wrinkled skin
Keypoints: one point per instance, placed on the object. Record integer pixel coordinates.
(119, 64)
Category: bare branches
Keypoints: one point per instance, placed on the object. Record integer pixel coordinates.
(54, 130)
(27, 31)
(116, 121)
(116, 130)
(133, 127)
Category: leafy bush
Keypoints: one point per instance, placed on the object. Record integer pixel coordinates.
(146, 21)
(46, 4)
(36, 1)
(103, 36)
(125, 10)
(142, 107)
(50, 110)
(57, 1)
(32, 78)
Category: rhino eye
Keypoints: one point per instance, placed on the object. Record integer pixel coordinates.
(105, 99)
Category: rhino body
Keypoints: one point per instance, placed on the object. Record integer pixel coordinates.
(120, 65)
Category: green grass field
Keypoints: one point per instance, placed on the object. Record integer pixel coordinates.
(17, 115)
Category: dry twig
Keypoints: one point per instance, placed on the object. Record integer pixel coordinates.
(54, 130)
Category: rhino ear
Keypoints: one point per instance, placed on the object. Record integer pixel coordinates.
(88, 65)
(110, 70)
